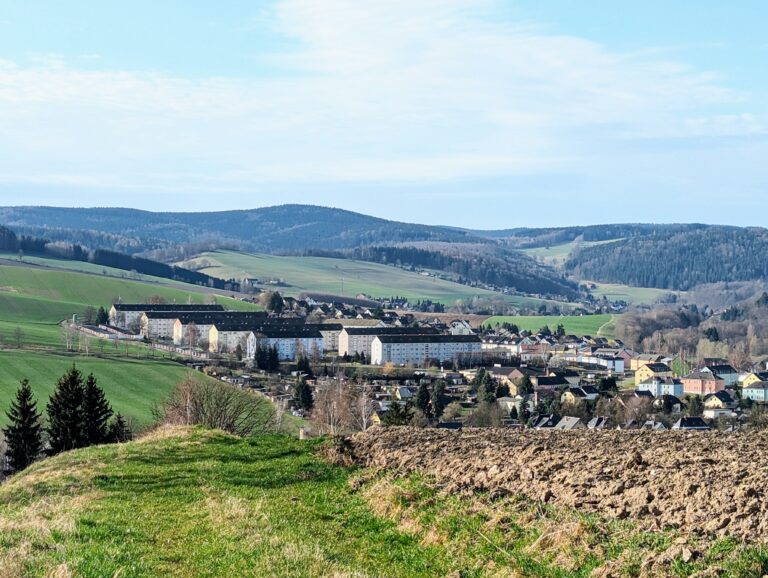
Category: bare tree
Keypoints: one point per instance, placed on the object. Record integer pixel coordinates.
(331, 411)
(217, 405)
(361, 408)
(193, 335)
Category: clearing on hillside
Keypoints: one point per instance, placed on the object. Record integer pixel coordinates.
(593, 325)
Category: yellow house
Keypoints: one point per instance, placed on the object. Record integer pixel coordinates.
(753, 378)
(643, 359)
(651, 370)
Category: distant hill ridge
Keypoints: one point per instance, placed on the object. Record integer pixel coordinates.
(665, 256)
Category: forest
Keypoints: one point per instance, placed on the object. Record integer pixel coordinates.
(676, 261)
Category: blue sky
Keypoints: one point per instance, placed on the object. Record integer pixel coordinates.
(478, 113)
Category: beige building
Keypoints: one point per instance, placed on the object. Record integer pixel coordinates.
(128, 315)
(419, 349)
(358, 340)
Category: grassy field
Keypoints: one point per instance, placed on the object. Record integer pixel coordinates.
(326, 275)
(133, 386)
(584, 325)
(201, 503)
(632, 295)
(557, 255)
(37, 299)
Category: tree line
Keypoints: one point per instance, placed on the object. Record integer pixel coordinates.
(676, 261)
(78, 415)
(9, 241)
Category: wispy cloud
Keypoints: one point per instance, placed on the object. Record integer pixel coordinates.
(371, 91)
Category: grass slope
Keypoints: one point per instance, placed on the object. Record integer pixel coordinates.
(557, 255)
(632, 295)
(583, 325)
(132, 386)
(325, 275)
(190, 502)
(37, 299)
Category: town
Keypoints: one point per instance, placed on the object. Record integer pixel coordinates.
(388, 367)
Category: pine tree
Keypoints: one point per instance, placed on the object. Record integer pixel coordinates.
(397, 414)
(65, 413)
(119, 431)
(524, 385)
(273, 359)
(422, 400)
(303, 395)
(437, 398)
(102, 317)
(24, 434)
(96, 413)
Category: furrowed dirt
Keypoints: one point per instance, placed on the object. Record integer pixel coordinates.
(704, 484)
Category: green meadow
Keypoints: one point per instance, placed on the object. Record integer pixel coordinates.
(133, 386)
(594, 325)
(342, 277)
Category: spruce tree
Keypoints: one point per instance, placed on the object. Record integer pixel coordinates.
(422, 400)
(437, 398)
(273, 359)
(303, 395)
(119, 431)
(23, 436)
(65, 413)
(96, 413)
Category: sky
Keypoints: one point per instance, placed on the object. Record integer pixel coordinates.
(473, 113)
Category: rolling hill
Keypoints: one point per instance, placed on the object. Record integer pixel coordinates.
(344, 277)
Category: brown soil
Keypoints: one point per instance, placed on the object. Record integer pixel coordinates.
(706, 484)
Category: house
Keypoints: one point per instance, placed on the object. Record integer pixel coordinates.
(659, 386)
(548, 385)
(191, 329)
(702, 383)
(128, 315)
(670, 403)
(691, 424)
(717, 413)
(599, 422)
(358, 340)
(403, 393)
(420, 349)
(651, 370)
(755, 378)
(569, 423)
(642, 359)
(330, 332)
(756, 391)
(653, 425)
(460, 327)
(720, 400)
(546, 421)
(572, 377)
(725, 371)
(577, 394)
(224, 336)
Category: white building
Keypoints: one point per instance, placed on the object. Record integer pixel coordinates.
(659, 386)
(290, 342)
(419, 349)
(128, 315)
(357, 340)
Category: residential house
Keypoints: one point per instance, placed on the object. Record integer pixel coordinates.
(569, 423)
(670, 403)
(756, 391)
(546, 421)
(659, 386)
(290, 341)
(653, 425)
(720, 400)
(651, 370)
(691, 423)
(642, 359)
(755, 378)
(702, 383)
(725, 371)
(598, 422)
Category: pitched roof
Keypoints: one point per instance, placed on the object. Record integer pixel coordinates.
(658, 367)
(390, 331)
(165, 307)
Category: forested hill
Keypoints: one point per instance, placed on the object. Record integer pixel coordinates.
(524, 238)
(677, 261)
(269, 229)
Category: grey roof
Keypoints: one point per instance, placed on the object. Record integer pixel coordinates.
(428, 338)
(390, 331)
(165, 307)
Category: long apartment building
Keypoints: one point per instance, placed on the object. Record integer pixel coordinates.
(359, 340)
(289, 341)
(191, 329)
(225, 336)
(128, 315)
(420, 349)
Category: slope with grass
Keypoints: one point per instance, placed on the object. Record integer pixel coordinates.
(593, 325)
(343, 277)
(133, 386)
(191, 502)
(36, 299)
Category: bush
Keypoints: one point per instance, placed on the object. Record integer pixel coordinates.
(219, 406)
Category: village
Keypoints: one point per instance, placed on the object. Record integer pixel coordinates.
(388, 366)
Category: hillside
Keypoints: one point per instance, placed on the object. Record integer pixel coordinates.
(344, 276)
(676, 261)
(283, 228)
(191, 502)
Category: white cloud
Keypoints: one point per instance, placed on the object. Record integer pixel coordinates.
(373, 91)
